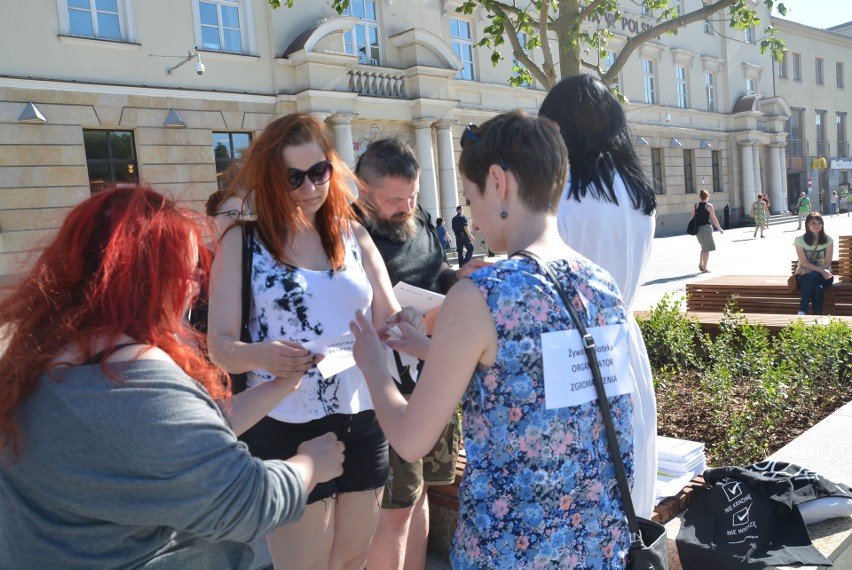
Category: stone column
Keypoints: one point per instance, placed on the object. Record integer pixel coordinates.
(425, 156)
(341, 126)
(748, 192)
(755, 157)
(776, 175)
(447, 169)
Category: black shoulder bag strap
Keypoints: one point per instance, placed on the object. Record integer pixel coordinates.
(238, 381)
(589, 346)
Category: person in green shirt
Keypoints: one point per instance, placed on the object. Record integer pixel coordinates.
(803, 206)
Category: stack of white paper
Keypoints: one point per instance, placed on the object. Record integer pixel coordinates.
(678, 462)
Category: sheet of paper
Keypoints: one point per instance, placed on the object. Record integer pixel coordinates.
(337, 351)
(422, 300)
(567, 376)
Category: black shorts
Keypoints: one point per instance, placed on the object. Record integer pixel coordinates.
(365, 461)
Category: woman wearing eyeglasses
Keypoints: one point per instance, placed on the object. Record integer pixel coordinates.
(311, 269)
(815, 251)
(539, 490)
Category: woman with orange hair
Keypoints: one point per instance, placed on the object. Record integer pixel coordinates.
(311, 269)
(113, 449)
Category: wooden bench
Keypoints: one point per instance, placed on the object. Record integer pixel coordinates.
(761, 294)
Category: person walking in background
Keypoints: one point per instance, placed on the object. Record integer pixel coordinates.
(705, 214)
(767, 211)
(115, 451)
(410, 247)
(844, 201)
(443, 236)
(834, 203)
(538, 487)
(464, 239)
(607, 213)
(803, 206)
(311, 266)
(815, 251)
(758, 212)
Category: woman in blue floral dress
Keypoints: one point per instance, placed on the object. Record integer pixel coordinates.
(540, 489)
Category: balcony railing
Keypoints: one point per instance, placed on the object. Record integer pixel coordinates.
(795, 147)
(843, 148)
(823, 148)
(376, 83)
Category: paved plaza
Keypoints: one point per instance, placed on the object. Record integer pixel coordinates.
(674, 260)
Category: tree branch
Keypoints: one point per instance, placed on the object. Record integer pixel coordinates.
(519, 51)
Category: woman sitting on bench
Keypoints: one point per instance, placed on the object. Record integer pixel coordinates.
(813, 273)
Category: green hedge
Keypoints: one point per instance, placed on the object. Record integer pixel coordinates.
(743, 391)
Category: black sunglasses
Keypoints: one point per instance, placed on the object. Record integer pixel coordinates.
(319, 173)
(470, 136)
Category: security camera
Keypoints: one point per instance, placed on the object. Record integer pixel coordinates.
(199, 68)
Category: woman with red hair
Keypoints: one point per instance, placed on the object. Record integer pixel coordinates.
(113, 449)
(312, 267)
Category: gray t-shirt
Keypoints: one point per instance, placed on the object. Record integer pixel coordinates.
(139, 473)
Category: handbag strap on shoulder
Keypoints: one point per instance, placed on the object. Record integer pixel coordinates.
(603, 402)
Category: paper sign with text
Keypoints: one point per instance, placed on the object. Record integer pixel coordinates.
(337, 351)
(567, 373)
(422, 300)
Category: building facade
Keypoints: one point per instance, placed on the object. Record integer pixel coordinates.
(170, 93)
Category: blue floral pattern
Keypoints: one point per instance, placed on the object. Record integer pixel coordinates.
(540, 489)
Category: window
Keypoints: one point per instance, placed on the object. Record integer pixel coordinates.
(822, 138)
(110, 158)
(219, 25)
(657, 170)
(751, 86)
(716, 159)
(680, 82)
(462, 41)
(363, 39)
(650, 82)
(100, 19)
(710, 89)
(795, 144)
(818, 71)
(748, 35)
(797, 67)
(688, 171)
(608, 62)
(838, 70)
(228, 149)
(517, 66)
(782, 66)
(708, 28)
(842, 143)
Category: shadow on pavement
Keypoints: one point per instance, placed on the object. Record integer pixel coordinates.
(670, 279)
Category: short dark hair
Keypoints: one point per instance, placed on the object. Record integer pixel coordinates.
(387, 157)
(459, 208)
(530, 147)
(215, 201)
(439, 221)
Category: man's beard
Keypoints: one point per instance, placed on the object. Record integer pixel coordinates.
(399, 228)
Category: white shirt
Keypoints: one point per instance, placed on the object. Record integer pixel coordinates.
(616, 237)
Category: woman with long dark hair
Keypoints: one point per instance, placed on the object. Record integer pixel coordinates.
(312, 267)
(607, 213)
(114, 451)
(815, 251)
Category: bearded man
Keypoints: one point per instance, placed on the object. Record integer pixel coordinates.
(408, 242)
